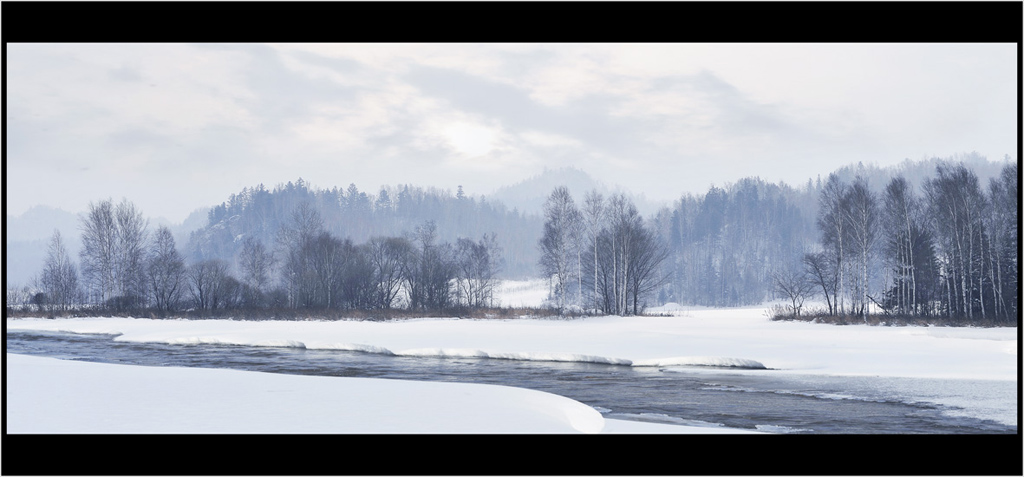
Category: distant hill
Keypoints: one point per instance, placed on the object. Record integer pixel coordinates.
(528, 196)
(28, 235)
(39, 222)
(260, 213)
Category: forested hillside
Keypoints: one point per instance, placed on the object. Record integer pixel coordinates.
(928, 239)
(726, 245)
(260, 213)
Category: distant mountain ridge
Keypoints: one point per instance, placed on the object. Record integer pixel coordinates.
(27, 238)
(27, 235)
(528, 196)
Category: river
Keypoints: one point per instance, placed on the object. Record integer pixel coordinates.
(758, 400)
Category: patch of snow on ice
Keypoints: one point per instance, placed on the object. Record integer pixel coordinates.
(363, 348)
(781, 429)
(280, 344)
(443, 353)
(563, 357)
(702, 361)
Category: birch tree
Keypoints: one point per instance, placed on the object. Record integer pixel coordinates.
(862, 222)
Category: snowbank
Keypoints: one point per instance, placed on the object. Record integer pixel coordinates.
(741, 339)
(52, 396)
(736, 338)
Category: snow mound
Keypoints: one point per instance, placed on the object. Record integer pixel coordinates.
(48, 395)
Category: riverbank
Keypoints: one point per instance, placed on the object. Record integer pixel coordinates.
(52, 396)
(710, 337)
(689, 339)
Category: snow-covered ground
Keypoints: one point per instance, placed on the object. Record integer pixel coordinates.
(52, 396)
(521, 293)
(97, 398)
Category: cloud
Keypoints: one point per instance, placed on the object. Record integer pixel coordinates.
(186, 125)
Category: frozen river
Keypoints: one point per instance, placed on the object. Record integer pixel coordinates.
(761, 399)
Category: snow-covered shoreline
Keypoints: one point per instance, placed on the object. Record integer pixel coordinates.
(742, 338)
(736, 337)
(52, 396)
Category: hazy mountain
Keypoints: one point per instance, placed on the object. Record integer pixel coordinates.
(39, 222)
(27, 238)
(529, 195)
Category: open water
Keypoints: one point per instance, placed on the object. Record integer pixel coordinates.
(761, 400)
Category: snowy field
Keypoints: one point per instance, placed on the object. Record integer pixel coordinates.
(52, 396)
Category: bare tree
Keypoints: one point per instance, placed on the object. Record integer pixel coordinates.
(1003, 226)
(795, 285)
(434, 272)
(476, 269)
(99, 251)
(631, 257)
(556, 244)
(648, 271)
(165, 269)
(821, 271)
(593, 211)
(60, 276)
(956, 207)
(255, 264)
(113, 254)
(490, 267)
(833, 210)
(902, 225)
(131, 253)
(862, 223)
(206, 280)
(293, 240)
(391, 259)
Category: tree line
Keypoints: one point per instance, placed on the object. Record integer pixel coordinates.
(864, 242)
(125, 268)
(949, 251)
(946, 248)
(726, 245)
(353, 213)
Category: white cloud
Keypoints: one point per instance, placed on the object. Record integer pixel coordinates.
(210, 117)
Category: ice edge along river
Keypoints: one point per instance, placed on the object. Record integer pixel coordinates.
(708, 336)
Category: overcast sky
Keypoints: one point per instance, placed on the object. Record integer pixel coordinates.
(175, 127)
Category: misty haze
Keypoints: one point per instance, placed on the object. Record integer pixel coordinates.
(530, 238)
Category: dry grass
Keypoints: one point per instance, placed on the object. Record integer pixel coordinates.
(262, 314)
(780, 314)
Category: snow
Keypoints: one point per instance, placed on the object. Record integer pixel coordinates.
(522, 293)
(98, 398)
(229, 401)
(53, 396)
